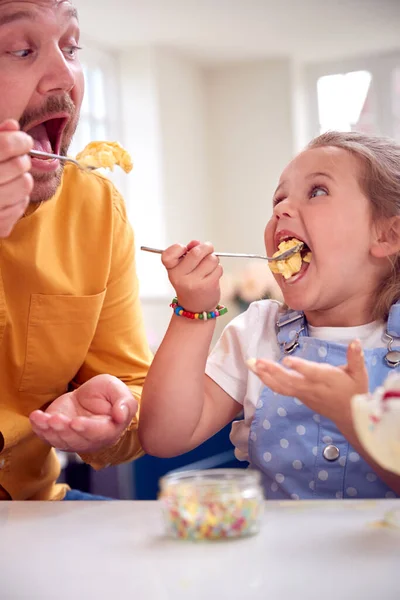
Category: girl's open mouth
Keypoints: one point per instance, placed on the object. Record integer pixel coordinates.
(291, 267)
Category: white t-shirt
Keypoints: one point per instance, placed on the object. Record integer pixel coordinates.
(253, 335)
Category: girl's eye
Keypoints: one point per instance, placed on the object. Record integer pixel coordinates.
(22, 53)
(277, 200)
(318, 191)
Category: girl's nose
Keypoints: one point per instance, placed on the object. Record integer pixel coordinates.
(285, 208)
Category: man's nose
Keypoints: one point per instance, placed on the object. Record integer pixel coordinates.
(58, 74)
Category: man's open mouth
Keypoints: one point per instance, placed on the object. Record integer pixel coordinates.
(47, 134)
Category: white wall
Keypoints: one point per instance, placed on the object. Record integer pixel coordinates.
(300, 107)
(182, 109)
(250, 139)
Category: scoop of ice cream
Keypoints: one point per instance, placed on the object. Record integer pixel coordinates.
(376, 420)
(291, 265)
(106, 155)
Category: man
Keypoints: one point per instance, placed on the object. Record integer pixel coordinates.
(73, 354)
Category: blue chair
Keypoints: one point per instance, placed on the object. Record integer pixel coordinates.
(217, 452)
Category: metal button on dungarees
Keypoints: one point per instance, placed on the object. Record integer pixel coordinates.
(331, 452)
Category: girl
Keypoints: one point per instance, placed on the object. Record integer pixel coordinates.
(335, 337)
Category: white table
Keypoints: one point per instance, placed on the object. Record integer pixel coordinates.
(116, 550)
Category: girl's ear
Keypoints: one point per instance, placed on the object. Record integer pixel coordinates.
(386, 240)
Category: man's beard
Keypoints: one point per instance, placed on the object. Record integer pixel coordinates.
(46, 184)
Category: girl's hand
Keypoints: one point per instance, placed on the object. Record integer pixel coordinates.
(195, 273)
(323, 388)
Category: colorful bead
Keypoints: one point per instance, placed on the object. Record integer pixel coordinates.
(203, 316)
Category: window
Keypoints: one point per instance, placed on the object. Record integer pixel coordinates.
(94, 122)
(345, 102)
(358, 95)
(99, 112)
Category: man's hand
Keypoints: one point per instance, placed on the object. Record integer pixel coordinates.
(16, 183)
(89, 419)
(325, 389)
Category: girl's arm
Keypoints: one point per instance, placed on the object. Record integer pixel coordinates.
(181, 407)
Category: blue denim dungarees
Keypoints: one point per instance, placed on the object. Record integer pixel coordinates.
(301, 454)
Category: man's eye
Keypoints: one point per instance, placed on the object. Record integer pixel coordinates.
(22, 53)
(71, 51)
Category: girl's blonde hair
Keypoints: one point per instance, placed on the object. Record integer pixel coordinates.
(380, 181)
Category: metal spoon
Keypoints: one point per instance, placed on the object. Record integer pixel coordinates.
(39, 154)
(281, 256)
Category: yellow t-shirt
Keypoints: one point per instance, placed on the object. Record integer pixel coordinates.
(69, 310)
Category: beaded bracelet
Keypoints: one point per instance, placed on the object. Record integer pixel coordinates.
(203, 316)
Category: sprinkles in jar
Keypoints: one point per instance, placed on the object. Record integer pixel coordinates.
(212, 504)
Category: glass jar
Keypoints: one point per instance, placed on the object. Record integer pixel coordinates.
(212, 504)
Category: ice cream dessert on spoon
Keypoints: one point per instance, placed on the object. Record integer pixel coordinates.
(106, 155)
(292, 265)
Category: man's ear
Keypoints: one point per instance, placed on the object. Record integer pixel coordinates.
(386, 241)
